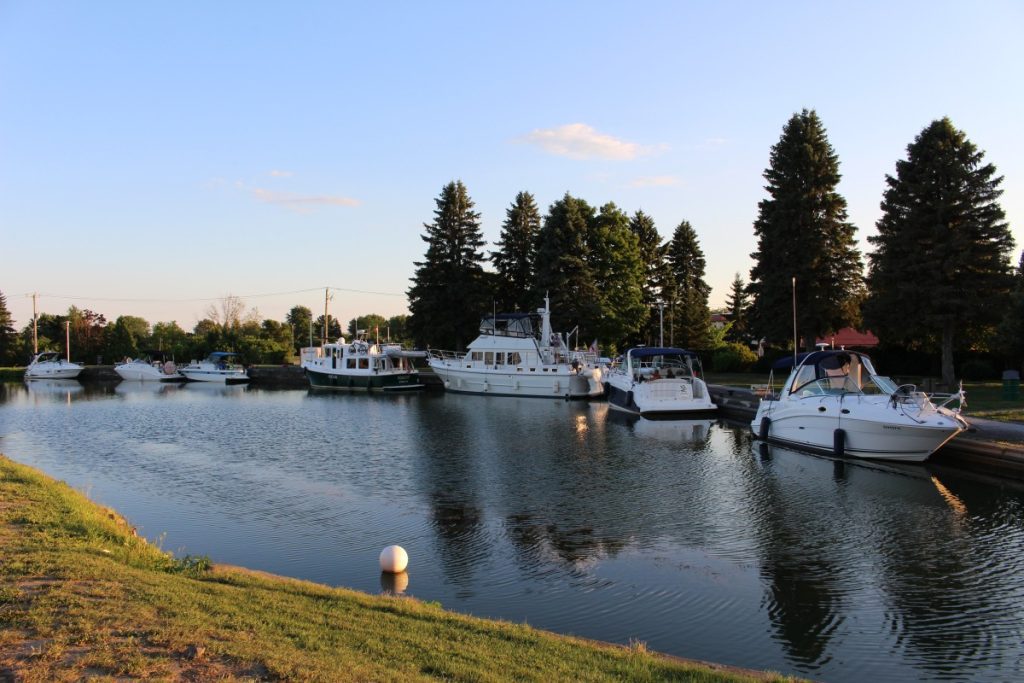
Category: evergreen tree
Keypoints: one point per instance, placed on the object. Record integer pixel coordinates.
(652, 253)
(448, 295)
(1011, 330)
(803, 232)
(941, 265)
(691, 316)
(563, 265)
(517, 254)
(737, 304)
(617, 263)
(10, 349)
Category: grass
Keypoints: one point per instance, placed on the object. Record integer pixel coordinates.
(81, 596)
(984, 399)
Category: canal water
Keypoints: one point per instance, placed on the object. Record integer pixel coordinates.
(686, 536)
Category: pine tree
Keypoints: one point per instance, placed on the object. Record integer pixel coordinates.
(448, 292)
(691, 316)
(563, 265)
(1011, 329)
(652, 253)
(618, 266)
(10, 348)
(737, 304)
(516, 257)
(941, 266)
(803, 232)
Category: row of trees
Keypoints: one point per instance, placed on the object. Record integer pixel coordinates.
(228, 326)
(940, 276)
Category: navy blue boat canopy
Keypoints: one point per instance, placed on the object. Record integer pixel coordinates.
(829, 358)
(648, 351)
(221, 354)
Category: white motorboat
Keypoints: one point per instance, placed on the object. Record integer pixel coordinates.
(155, 366)
(835, 402)
(658, 381)
(509, 359)
(51, 365)
(219, 367)
(361, 365)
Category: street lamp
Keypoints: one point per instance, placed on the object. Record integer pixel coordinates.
(661, 322)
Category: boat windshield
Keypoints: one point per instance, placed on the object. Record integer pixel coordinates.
(507, 325)
(667, 366)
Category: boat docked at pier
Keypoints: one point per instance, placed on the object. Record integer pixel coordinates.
(219, 367)
(658, 382)
(517, 354)
(835, 402)
(51, 365)
(154, 366)
(361, 365)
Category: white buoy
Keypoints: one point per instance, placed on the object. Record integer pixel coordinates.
(394, 559)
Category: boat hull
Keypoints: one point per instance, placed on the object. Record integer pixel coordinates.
(53, 370)
(139, 372)
(391, 381)
(658, 398)
(216, 376)
(875, 436)
(537, 384)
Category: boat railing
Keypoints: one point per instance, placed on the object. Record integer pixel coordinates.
(445, 356)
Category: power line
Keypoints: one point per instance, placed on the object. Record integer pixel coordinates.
(79, 297)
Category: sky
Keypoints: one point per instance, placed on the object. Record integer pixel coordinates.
(157, 157)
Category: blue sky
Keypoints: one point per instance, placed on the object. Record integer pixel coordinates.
(155, 157)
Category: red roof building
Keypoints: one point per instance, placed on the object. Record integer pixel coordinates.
(848, 337)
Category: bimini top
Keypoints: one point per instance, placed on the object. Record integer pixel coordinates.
(222, 354)
(830, 358)
(649, 351)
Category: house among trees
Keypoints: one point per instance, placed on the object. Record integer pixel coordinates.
(848, 337)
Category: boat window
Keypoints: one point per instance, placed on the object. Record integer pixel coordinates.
(477, 356)
(364, 363)
(489, 358)
(514, 359)
(350, 363)
(499, 358)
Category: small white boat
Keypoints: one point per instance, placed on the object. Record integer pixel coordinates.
(658, 381)
(361, 365)
(509, 359)
(835, 402)
(51, 365)
(218, 367)
(155, 366)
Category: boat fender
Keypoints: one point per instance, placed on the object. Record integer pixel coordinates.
(766, 425)
(839, 442)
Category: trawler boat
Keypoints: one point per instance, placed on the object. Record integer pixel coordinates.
(155, 366)
(835, 402)
(219, 367)
(509, 359)
(51, 365)
(658, 382)
(361, 365)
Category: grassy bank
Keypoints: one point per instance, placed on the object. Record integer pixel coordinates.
(82, 596)
(12, 374)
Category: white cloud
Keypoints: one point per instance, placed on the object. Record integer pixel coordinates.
(300, 203)
(580, 141)
(655, 181)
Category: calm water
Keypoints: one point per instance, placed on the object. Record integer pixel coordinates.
(684, 535)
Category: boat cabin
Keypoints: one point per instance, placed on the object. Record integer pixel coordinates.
(645, 364)
(819, 373)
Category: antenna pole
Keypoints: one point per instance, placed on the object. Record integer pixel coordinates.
(794, 322)
(35, 326)
(67, 339)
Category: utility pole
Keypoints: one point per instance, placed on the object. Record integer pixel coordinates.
(794, 322)
(661, 322)
(35, 326)
(67, 339)
(327, 318)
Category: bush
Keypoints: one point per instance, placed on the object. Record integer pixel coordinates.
(733, 357)
(977, 369)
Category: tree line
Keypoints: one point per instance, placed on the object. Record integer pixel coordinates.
(940, 276)
(228, 326)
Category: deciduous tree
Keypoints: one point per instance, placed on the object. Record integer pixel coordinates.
(941, 267)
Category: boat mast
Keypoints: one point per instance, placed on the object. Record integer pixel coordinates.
(545, 318)
(67, 339)
(794, 322)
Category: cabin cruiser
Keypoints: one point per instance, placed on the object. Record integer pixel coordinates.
(219, 367)
(361, 365)
(658, 382)
(51, 365)
(509, 358)
(835, 402)
(155, 366)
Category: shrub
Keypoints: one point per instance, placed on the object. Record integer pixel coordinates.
(733, 357)
(978, 369)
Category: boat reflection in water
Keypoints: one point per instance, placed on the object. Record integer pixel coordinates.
(683, 432)
(53, 390)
